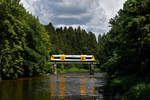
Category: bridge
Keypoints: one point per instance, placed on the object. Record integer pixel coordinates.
(73, 59)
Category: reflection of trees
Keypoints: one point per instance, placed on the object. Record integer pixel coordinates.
(93, 86)
(11, 90)
(51, 87)
(24, 89)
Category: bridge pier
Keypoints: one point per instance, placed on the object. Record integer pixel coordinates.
(55, 69)
(92, 69)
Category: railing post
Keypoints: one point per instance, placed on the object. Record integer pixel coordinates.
(55, 69)
(92, 69)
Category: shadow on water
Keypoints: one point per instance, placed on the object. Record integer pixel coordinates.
(71, 86)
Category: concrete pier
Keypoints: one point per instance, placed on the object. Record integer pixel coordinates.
(92, 69)
(55, 69)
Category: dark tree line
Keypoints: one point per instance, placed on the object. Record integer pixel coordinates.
(124, 51)
(71, 41)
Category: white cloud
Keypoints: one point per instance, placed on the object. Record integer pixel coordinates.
(84, 4)
(111, 7)
(28, 4)
(92, 15)
(80, 16)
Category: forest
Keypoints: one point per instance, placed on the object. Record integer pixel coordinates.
(26, 45)
(71, 41)
(123, 52)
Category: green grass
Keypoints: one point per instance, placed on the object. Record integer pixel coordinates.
(96, 70)
(76, 70)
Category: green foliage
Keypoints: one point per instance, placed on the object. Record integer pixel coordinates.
(24, 44)
(73, 69)
(97, 70)
(111, 64)
(124, 48)
(12, 40)
(124, 51)
(71, 41)
(139, 92)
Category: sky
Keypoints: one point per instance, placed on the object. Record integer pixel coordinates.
(91, 15)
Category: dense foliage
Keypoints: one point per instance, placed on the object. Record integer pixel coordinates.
(124, 51)
(71, 41)
(24, 42)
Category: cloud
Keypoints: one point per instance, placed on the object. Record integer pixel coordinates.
(92, 15)
(111, 7)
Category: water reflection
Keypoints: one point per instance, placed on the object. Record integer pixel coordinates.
(93, 86)
(62, 88)
(53, 87)
(73, 87)
(82, 87)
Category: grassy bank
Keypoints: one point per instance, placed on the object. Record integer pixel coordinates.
(76, 70)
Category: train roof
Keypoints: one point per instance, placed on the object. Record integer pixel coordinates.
(72, 55)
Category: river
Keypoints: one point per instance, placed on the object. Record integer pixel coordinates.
(69, 86)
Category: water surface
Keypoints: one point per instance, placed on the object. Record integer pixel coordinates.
(71, 86)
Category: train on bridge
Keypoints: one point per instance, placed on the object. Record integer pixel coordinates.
(72, 58)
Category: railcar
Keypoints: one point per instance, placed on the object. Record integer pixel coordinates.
(72, 58)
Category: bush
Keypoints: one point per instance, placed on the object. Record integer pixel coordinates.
(140, 91)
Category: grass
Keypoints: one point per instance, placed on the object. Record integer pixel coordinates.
(76, 70)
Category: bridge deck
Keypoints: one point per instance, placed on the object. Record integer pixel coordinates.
(74, 63)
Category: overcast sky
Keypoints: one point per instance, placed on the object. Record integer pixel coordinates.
(92, 15)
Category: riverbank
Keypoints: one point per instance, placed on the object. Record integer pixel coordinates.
(77, 70)
(127, 88)
(62, 71)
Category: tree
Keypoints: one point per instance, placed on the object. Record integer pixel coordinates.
(123, 51)
(21, 34)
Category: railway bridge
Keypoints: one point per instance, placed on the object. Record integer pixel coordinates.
(73, 59)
